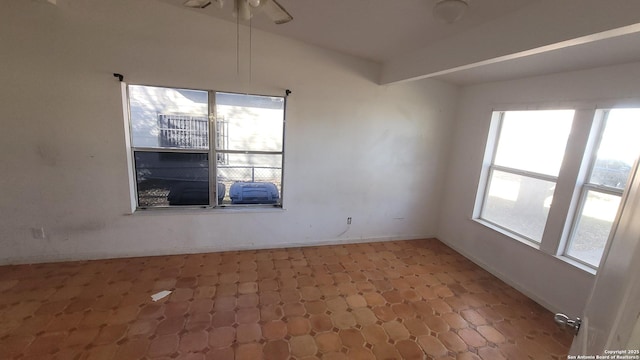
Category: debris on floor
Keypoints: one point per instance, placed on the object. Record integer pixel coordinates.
(160, 295)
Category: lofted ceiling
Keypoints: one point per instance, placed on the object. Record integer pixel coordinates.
(495, 40)
(376, 30)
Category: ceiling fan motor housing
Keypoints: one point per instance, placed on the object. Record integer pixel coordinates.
(450, 11)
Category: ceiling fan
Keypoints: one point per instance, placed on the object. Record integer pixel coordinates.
(244, 9)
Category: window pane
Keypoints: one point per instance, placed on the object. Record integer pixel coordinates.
(594, 224)
(168, 118)
(518, 203)
(258, 179)
(166, 178)
(618, 148)
(534, 140)
(249, 122)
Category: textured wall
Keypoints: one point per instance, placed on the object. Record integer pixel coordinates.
(353, 148)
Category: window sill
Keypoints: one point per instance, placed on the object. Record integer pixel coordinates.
(577, 264)
(173, 210)
(507, 233)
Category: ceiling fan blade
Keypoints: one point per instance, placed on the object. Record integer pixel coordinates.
(202, 4)
(197, 4)
(275, 11)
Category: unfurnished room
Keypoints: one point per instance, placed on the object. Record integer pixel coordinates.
(328, 179)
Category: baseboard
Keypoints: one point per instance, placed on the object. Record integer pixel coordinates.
(40, 259)
(542, 302)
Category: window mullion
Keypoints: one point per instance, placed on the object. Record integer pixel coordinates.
(525, 173)
(169, 150)
(213, 159)
(604, 189)
(249, 152)
(566, 194)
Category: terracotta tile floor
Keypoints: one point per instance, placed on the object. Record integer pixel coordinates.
(392, 300)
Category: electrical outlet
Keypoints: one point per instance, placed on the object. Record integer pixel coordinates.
(38, 233)
(349, 220)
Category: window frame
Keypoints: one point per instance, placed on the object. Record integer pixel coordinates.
(491, 167)
(600, 124)
(212, 153)
(571, 185)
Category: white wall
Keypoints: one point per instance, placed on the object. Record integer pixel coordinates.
(545, 278)
(353, 148)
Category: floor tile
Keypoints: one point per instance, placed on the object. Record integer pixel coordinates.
(388, 300)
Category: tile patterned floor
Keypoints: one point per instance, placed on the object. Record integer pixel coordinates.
(392, 300)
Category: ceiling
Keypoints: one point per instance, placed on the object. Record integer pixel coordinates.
(615, 50)
(376, 30)
(495, 40)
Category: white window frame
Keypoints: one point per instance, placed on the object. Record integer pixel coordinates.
(213, 154)
(598, 128)
(499, 119)
(571, 187)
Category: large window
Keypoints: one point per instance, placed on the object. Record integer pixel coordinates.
(527, 157)
(524, 162)
(205, 148)
(612, 159)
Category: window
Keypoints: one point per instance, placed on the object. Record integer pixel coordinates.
(174, 145)
(611, 163)
(522, 176)
(524, 158)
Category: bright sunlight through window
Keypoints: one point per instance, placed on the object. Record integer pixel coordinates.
(617, 151)
(524, 156)
(522, 176)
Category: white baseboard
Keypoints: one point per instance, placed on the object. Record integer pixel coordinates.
(49, 258)
(514, 284)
